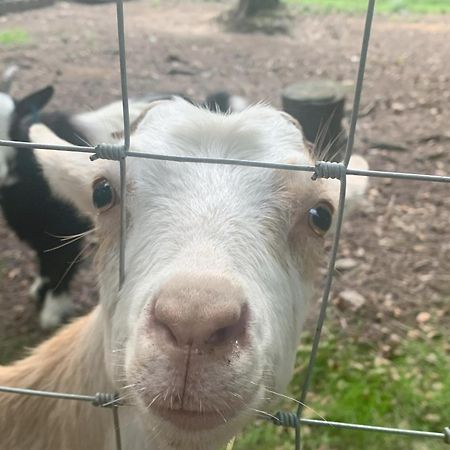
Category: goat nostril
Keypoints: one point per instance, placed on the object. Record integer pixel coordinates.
(167, 331)
(171, 335)
(221, 335)
(227, 333)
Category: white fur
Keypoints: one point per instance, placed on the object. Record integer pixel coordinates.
(189, 219)
(36, 286)
(56, 308)
(6, 153)
(98, 125)
(238, 103)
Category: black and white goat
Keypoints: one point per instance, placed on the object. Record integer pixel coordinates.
(49, 225)
(37, 216)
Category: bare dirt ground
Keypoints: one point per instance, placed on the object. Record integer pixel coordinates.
(393, 276)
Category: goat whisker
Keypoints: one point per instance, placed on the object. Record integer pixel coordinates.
(156, 397)
(75, 261)
(296, 401)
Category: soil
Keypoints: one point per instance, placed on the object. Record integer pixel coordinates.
(393, 276)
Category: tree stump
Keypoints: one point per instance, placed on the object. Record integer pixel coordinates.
(248, 8)
(266, 16)
(318, 105)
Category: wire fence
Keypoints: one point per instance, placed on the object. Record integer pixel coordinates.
(322, 169)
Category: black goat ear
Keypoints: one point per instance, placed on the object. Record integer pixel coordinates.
(34, 102)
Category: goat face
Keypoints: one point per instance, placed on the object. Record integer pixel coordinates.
(220, 262)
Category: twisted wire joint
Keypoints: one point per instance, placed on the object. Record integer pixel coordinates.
(447, 435)
(105, 400)
(286, 419)
(113, 152)
(328, 169)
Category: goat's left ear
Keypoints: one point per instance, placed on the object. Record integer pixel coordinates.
(34, 102)
(70, 174)
(356, 185)
(355, 190)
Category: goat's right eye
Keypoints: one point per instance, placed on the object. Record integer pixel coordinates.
(103, 194)
(320, 218)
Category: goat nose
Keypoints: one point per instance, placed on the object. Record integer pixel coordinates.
(203, 312)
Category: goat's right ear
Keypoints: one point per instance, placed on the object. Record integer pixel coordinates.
(70, 174)
(34, 102)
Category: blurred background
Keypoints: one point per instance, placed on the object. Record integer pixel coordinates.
(384, 357)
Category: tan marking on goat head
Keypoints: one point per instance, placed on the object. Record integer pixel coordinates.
(303, 194)
(119, 134)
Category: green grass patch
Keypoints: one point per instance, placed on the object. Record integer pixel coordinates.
(382, 6)
(352, 384)
(14, 36)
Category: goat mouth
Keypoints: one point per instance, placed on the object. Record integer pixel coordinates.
(193, 420)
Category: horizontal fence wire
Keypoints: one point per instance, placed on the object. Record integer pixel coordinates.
(233, 162)
(107, 400)
(323, 169)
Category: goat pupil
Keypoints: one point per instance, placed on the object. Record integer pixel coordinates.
(102, 195)
(321, 218)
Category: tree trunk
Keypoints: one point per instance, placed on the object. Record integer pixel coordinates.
(318, 105)
(248, 8)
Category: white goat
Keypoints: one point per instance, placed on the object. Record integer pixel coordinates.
(220, 263)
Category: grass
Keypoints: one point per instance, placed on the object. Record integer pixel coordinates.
(382, 6)
(352, 384)
(14, 36)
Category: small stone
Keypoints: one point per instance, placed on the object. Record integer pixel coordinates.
(379, 361)
(346, 263)
(431, 358)
(414, 334)
(352, 298)
(398, 107)
(423, 317)
(432, 417)
(14, 273)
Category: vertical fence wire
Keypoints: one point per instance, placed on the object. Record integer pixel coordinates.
(340, 215)
(321, 170)
(340, 212)
(116, 422)
(126, 138)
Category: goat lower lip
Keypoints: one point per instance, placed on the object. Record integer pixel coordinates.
(192, 420)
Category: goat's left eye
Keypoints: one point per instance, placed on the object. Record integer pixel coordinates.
(103, 194)
(320, 218)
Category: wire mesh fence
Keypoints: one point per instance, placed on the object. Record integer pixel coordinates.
(322, 169)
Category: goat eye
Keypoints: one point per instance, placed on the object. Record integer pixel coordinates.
(320, 218)
(103, 194)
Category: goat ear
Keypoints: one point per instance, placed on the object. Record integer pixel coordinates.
(355, 191)
(69, 174)
(34, 102)
(356, 185)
